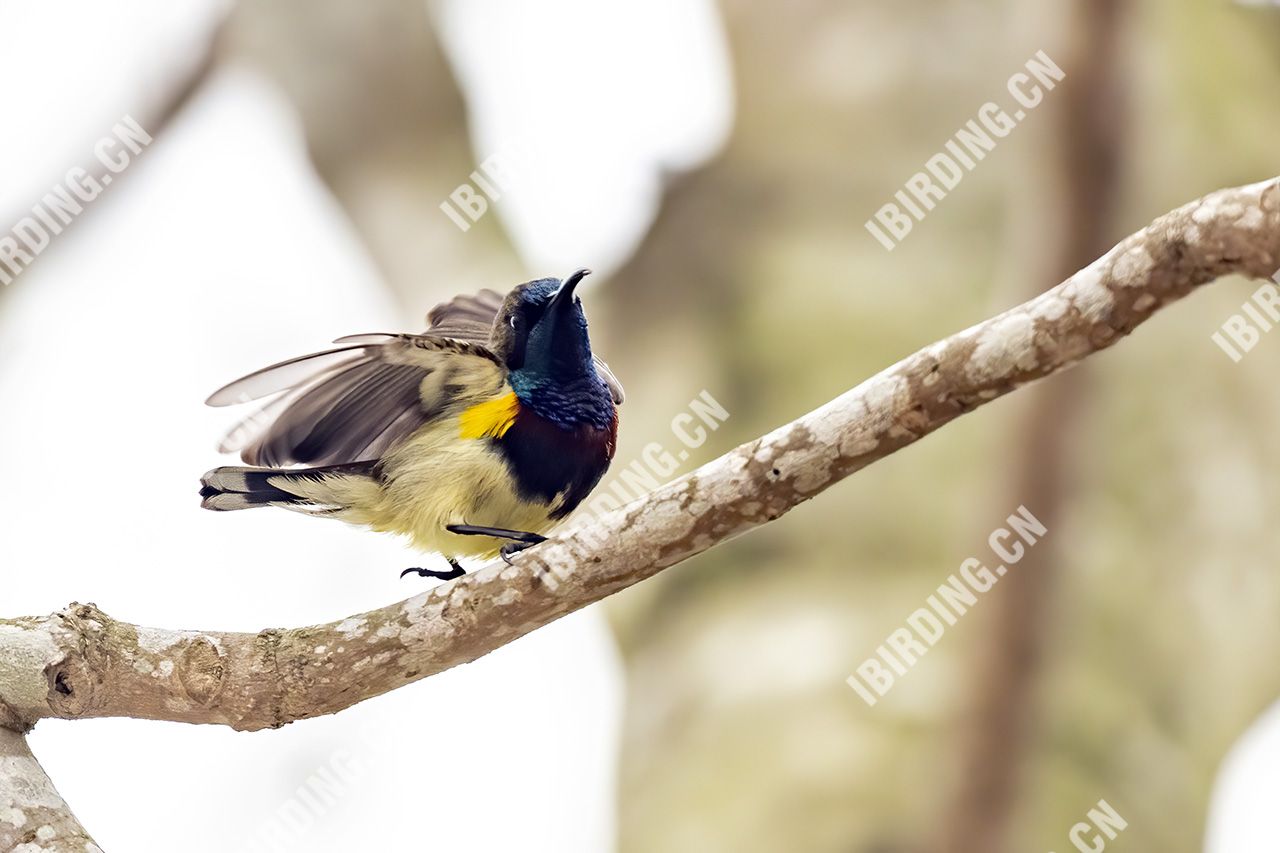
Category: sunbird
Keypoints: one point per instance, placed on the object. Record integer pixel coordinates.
(473, 438)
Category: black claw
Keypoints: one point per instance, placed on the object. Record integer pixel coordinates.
(513, 548)
(455, 571)
(510, 548)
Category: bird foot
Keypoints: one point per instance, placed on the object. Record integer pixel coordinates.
(520, 539)
(510, 548)
(455, 571)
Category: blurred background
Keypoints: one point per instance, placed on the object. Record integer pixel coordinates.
(714, 162)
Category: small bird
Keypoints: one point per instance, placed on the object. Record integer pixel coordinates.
(473, 438)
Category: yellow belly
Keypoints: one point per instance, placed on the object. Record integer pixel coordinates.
(435, 479)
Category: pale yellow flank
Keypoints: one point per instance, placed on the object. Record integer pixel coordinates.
(433, 480)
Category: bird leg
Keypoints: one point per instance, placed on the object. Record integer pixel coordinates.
(455, 571)
(522, 536)
(520, 539)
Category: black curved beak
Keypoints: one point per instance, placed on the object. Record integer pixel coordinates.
(563, 300)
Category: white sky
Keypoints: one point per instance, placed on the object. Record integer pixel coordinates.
(602, 99)
(1242, 813)
(81, 65)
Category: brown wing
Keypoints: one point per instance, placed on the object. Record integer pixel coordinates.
(355, 402)
(471, 318)
(352, 403)
(467, 318)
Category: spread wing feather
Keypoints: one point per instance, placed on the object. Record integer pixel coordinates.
(284, 375)
(352, 409)
(467, 317)
(355, 402)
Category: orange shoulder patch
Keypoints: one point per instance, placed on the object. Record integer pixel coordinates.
(490, 419)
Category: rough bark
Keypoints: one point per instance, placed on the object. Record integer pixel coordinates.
(33, 817)
(81, 663)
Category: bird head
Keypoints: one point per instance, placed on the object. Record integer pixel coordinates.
(541, 332)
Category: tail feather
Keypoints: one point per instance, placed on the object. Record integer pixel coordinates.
(233, 488)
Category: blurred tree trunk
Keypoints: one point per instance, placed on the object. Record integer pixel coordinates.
(1072, 223)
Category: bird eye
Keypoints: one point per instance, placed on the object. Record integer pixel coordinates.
(514, 321)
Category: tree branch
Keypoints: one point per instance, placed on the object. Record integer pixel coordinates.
(1079, 170)
(81, 663)
(33, 817)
